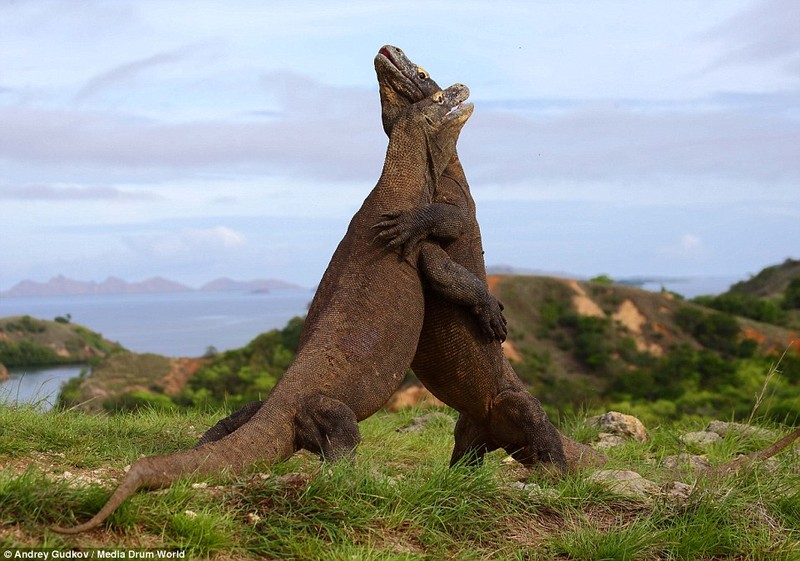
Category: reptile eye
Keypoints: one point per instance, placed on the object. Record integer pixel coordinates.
(422, 74)
(438, 97)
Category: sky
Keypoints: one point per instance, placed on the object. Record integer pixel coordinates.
(193, 139)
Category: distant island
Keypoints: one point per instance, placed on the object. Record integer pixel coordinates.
(63, 286)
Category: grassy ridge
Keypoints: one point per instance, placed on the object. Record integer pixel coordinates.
(26, 341)
(398, 500)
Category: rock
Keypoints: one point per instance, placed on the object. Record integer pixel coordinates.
(686, 461)
(677, 491)
(417, 424)
(723, 429)
(534, 490)
(3, 372)
(608, 440)
(701, 438)
(620, 424)
(626, 483)
(412, 396)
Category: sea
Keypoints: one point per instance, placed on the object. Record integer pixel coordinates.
(184, 324)
(187, 324)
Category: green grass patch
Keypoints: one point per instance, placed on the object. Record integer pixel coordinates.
(397, 500)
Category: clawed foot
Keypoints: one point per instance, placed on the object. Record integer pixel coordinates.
(491, 319)
(401, 230)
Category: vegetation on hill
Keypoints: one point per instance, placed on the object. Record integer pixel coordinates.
(653, 353)
(236, 377)
(772, 296)
(129, 382)
(26, 341)
(577, 344)
(770, 282)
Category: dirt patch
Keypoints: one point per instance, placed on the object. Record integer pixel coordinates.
(584, 305)
(511, 351)
(633, 320)
(492, 281)
(412, 396)
(630, 316)
(755, 335)
(181, 371)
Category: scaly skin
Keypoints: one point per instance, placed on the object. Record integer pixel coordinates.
(364, 332)
(464, 370)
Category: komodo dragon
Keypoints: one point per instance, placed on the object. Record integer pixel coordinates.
(363, 337)
(467, 372)
(463, 369)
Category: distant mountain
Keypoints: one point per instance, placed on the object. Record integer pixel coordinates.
(63, 286)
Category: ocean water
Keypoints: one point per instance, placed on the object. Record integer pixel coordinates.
(175, 324)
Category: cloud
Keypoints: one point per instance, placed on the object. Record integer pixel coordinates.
(320, 131)
(767, 31)
(688, 247)
(124, 72)
(188, 243)
(631, 147)
(68, 193)
(325, 133)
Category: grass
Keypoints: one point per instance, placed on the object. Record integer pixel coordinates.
(398, 500)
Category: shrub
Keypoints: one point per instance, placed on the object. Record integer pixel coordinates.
(791, 296)
(238, 376)
(137, 401)
(717, 331)
(746, 305)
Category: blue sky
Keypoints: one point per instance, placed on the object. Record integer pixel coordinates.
(195, 139)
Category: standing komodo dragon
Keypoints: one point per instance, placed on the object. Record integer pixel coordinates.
(465, 370)
(470, 373)
(362, 340)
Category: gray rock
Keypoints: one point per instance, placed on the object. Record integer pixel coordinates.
(534, 490)
(723, 429)
(689, 462)
(676, 491)
(608, 440)
(620, 424)
(626, 483)
(701, 438)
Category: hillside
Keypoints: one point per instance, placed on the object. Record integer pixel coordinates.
(127, 381)
(25, 341)
(582, 343)
(576, 344)
(771, 282)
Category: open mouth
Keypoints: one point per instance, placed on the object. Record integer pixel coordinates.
(454, 109)
(385, 52)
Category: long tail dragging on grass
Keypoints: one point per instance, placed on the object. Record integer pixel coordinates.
(741, 462)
